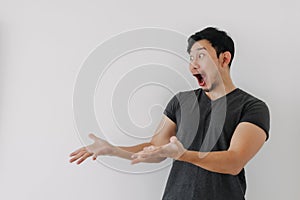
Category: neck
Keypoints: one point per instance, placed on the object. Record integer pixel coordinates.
(222, 88)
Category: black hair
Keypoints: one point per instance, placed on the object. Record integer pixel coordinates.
(219, 40)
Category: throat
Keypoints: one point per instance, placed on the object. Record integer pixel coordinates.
(217, 93)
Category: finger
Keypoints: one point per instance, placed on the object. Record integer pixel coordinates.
(148, 155)
(77, 151)
(145, 148)
(137, 160)
(154, 154)
(85, 156)
(161, 152)
(140, 154)
(77, 156)
(154, 150)
(136, 155)
(144, 157)
(149, 148)
(93, 137)
(94, 157)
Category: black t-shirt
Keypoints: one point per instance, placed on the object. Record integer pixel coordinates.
(205, 125)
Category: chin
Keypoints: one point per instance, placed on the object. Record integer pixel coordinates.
(207, 88)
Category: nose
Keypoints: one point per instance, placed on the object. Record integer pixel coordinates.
(194, 64)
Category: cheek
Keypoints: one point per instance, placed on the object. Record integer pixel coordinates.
(206, 64)
(212, 73)
(191, 68)
(212, 66)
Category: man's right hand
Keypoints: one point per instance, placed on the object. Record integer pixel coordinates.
(99, 147)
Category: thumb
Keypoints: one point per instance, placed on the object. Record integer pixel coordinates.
(173, 139)
(93, 137)
(94, 157)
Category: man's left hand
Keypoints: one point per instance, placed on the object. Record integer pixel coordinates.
(174, 149)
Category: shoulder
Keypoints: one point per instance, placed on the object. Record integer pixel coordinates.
(255, 111)
(248, 99)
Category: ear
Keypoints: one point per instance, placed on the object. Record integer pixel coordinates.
(226, 58)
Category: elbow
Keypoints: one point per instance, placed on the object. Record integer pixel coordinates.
(236, 168)
(235, 171)
(237, 164)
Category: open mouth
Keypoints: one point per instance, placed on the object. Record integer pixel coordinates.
(200, 79)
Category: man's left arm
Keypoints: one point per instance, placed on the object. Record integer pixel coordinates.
(246, 141)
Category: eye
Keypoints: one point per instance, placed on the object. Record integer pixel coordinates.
(201, 55)
(191, 58)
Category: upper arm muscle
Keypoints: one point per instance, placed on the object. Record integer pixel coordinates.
(246, 141)
(165, 130)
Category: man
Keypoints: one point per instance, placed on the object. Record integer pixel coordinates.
(209, 165)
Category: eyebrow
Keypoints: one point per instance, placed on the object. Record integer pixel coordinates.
(200, 48)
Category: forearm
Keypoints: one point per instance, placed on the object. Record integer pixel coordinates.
(225, 162)
(127, 152)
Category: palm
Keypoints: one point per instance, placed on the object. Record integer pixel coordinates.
(170, 150)
(99, 147)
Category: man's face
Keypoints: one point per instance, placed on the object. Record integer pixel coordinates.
(204, 65)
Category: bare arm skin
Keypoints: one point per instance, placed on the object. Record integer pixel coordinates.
(245, 143)
(164, 131)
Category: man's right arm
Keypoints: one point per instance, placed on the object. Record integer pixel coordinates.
(165, 130)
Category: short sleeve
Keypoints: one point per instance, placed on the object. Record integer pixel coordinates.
(172, 107)
(257, 113)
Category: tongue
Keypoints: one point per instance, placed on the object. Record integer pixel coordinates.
(201, 82)
(200, 79)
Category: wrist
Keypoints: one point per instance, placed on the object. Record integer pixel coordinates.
(182, 156)
(115, 151)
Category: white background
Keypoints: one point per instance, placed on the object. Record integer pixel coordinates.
(42, 45)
